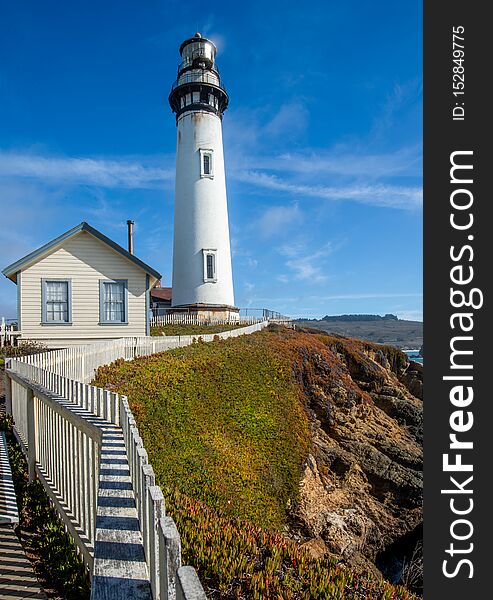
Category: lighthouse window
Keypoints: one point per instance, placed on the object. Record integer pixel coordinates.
(196, 97)
(210, 266)
(206, 163)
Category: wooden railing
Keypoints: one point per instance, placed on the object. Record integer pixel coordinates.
(83, 444)
(8, 333)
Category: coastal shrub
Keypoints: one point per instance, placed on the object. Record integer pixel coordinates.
(227, 433)
(190, 329)
(237, 559)
(222, 422)
(22, 349)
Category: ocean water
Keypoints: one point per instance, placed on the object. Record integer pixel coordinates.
(414, 355)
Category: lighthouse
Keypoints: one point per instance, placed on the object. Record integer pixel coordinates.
(202, 275)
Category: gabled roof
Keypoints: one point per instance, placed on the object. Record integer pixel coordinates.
(161, 293)
(12, 270)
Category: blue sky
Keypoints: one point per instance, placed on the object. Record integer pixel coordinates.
(322, 140)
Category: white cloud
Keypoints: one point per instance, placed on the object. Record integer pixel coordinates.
(277, 219)
(342, 161)
(290, 120)
(378, 194)
(306, 266)
(157, 172)
(123, 173)
(402, 94)
(368, 296)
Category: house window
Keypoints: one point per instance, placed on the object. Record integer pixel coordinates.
(113, 302)
(206, 166)
(210, 275)
(56, 301)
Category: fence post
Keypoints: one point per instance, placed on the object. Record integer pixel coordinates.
(155, 503)
(188, 586)
(8, 390)
(31, 434)
(169, 557)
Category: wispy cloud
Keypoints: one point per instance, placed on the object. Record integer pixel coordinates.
(367, 296)
(402, 94)
(278, 219)
(305, 266)
(341, 161)
(381, 195)
(289, 121)
(156, 172)
(123, 173)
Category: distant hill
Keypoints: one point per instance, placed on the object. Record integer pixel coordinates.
(350, 318)
(372, 328)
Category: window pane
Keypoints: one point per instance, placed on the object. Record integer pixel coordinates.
(56, 301)
(210, 266)
(114, 301)
(207, 164)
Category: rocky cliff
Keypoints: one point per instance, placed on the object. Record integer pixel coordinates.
(284, 434)
(361, 487)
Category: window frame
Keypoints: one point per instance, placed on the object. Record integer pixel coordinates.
(205, 253)
(102, 319)
(210, 153)
(44, 282)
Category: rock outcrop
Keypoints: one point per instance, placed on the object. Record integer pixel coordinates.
(361, 488)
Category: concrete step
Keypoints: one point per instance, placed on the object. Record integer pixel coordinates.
(17, 578)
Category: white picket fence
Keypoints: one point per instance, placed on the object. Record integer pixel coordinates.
(8, 334)
(192, 319)
(258, 316)
(83, 444)
(81, 362)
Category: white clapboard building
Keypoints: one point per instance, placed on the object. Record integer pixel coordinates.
(81, 287)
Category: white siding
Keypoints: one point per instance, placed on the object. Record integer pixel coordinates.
(85, 260)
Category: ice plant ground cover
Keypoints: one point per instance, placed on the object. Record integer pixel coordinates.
(227, 432)
(177, 329)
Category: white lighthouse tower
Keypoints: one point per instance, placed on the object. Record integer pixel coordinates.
(202, 276)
